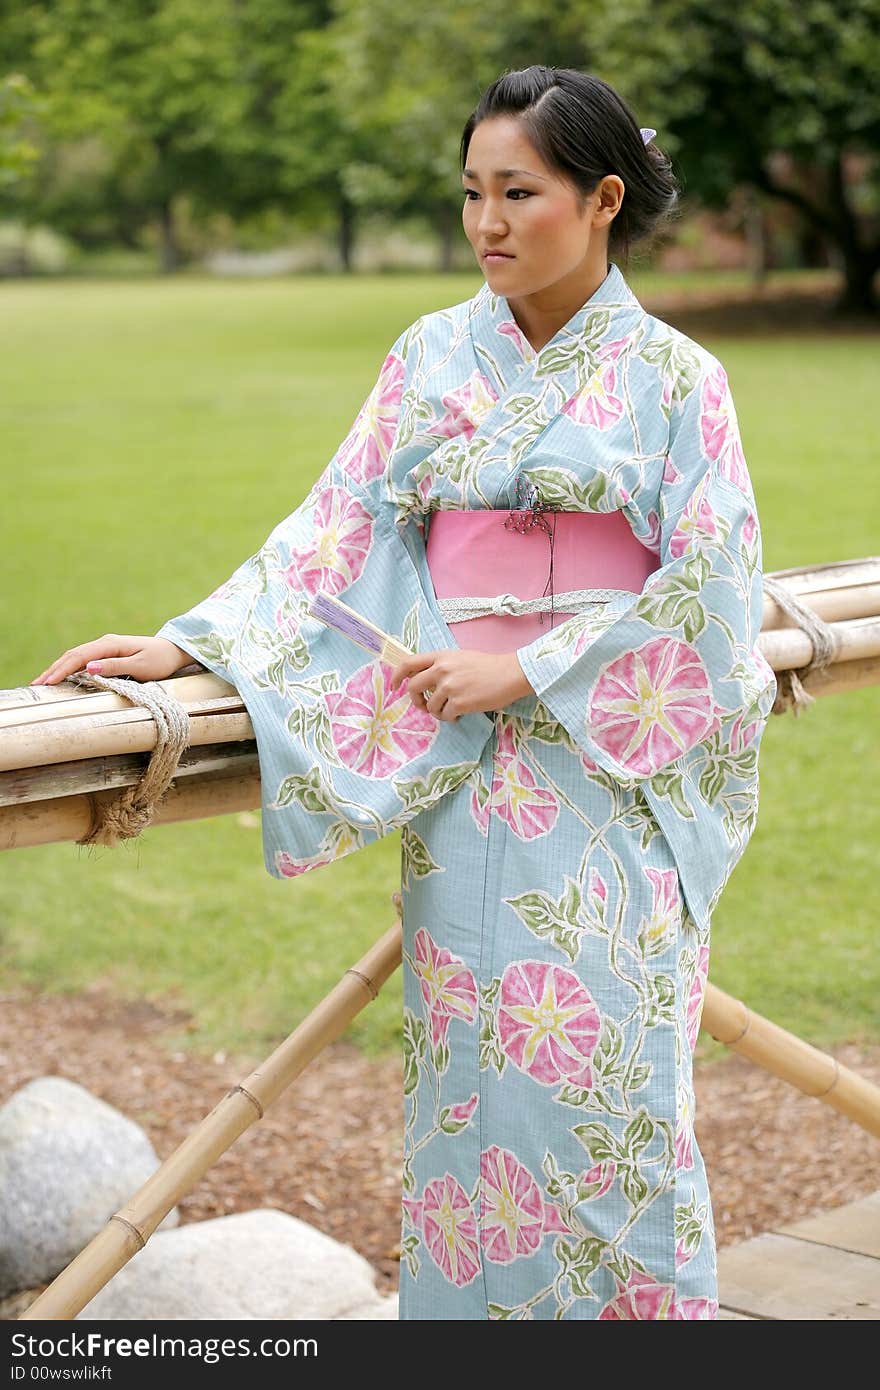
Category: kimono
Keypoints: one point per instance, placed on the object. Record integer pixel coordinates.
(560, 857)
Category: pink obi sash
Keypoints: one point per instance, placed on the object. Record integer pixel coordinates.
(471, 553)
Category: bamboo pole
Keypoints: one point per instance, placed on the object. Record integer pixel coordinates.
(841, 589)
(230, 787)
(832, 574)
(40, 741)
(104, 774)
(63, 747)
(789, 647)
(44, 725)
(842, 676)
(124, 731)
(71, 817)
(34, 704)
(729, 1021)
(129, 1229)
(833, 605)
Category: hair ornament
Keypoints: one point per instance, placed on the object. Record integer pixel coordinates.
(647, 133)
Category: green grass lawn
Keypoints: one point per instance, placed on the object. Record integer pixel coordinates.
(154, 433)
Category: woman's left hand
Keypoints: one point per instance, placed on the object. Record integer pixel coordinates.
(452, 682)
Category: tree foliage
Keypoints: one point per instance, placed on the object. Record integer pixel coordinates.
(329, 108)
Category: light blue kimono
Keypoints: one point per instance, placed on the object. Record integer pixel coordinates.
(561, 857)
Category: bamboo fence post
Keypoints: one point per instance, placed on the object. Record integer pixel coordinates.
(787, 1056)
(129, 1229)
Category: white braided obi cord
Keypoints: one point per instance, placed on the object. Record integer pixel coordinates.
(459, 610)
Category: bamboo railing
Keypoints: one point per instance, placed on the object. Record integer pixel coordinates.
(65, 752)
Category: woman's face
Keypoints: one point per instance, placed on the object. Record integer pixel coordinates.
(516, 205)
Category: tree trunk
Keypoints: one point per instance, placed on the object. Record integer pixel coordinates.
(860, 263)
(756, 238)
(859, 297)
(346, 231)
(812, 247)
(169, 250)
(838, 223)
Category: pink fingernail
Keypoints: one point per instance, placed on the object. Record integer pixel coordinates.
(93, 666)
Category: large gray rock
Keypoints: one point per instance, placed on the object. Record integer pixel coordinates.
(68, 1161)
(255, 1264)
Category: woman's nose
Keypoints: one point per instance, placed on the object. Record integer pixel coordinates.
(492, 217)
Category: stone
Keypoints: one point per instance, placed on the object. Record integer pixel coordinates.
(255, 1264)
(68, 1161)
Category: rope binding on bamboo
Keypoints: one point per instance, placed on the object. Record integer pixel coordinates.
(790, 693)
(133, 810)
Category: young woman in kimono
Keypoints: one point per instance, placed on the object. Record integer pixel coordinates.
(545, 498)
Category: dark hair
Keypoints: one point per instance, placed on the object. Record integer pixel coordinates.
(582, 128)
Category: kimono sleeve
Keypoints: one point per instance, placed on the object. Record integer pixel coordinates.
(639, 684)
(345, 758)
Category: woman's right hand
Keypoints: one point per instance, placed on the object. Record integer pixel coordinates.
(144, 658)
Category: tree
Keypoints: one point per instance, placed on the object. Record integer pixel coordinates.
(406, 78)
(780, 96)
(166, 97)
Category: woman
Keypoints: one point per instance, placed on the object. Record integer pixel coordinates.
(545, 498)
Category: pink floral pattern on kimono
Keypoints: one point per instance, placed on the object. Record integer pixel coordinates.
(454, 1118)
(286, 623)
(640, 1298)
(512, 1210)
(446, 1219)
(697, 525)
(695, 996)
(465, 407)
(596, 1181)
(651, 704)
(448, 987)
(364, 452)
(670, 473)
(548, 1024)
(597, 893)
(374, 726)
(658, 932)
(749, 542)
(340, 544)
(643, 1298)
(480, 809)
(596, 404)
(696, 1309)
(721, 437)
(529, 809)
(742, 732)
(511, 329)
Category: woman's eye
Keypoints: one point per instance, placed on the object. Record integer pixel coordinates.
(471, 193)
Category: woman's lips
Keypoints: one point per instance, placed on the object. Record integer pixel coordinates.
(493, 256)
